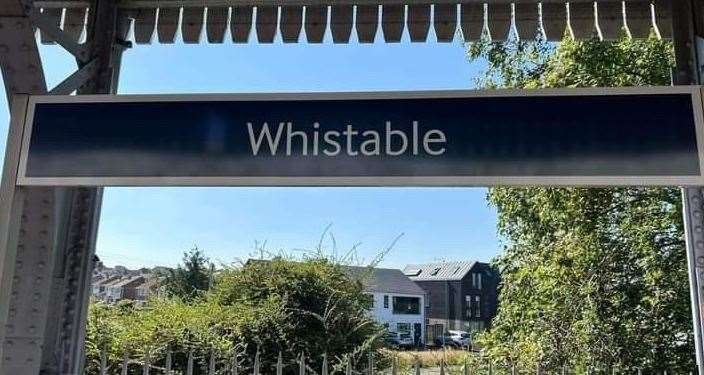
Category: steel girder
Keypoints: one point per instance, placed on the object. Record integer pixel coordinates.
(47, 235)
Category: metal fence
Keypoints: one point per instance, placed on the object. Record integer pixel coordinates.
(213, 364)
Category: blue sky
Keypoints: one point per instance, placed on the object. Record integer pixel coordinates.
(153, 226)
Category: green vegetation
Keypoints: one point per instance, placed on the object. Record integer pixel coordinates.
(311, 307)
(191, 278)
(590, 277)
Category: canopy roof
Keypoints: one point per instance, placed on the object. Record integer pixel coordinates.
(242, 21)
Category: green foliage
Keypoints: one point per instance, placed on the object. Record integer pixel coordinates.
(189, 279)
(312, 306)
(590, 277)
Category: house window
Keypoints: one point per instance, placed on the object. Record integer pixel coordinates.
(403, 327)
(406, 305)
(386, 302)
(477, 307)
(369, 300)
(477, 280)
(468, 306)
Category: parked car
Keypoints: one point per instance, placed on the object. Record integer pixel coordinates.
(399, 340)
(461, 338)
(445, 340)
(405, 340)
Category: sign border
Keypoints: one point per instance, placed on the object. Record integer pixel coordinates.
(378, 181)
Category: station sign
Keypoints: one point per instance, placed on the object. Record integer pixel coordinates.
(577, 137)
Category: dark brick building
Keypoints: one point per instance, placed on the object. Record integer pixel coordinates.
(459, 295)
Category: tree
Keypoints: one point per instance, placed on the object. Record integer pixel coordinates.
(315, 306)
(189, 279)
(590, 277)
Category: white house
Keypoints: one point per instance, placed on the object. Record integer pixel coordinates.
(398, 303)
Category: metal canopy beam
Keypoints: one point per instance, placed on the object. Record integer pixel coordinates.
(583, 19)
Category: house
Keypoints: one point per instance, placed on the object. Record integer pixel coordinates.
(99, 283)
(148, 288)
(122, 288)
(460, 295)
(397, 302)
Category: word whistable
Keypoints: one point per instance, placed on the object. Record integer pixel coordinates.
(352, 142)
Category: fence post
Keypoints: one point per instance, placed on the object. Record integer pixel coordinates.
(370, 365)
(394, 370)
(211, 364)
(417, 367)
(103, 362)
(442, 366)
(256, 362)
(302, 364)
(168, 362)
(348, 370)
(640, 371)
(189, 364)
(280, 364)
(324, 370)
(125, 360)
(513, 369)
(537, 369)
(145, 367)
(465, 370)
(491, 367)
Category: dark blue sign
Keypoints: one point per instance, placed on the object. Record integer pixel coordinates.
(417, 138)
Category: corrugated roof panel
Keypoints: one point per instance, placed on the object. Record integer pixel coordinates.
(438, 271)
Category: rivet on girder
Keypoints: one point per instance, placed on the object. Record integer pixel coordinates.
(40, 265)
(700, 244)
(19, 25)
(36, 296)
(4, 48)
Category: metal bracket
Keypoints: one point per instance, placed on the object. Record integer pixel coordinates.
(76, 80)
(59, 36)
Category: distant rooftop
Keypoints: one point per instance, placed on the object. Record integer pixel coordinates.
(447, 271)
(387, 280)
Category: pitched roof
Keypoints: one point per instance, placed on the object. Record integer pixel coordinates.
(386, 280)
(127, 280)
(444, 271)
